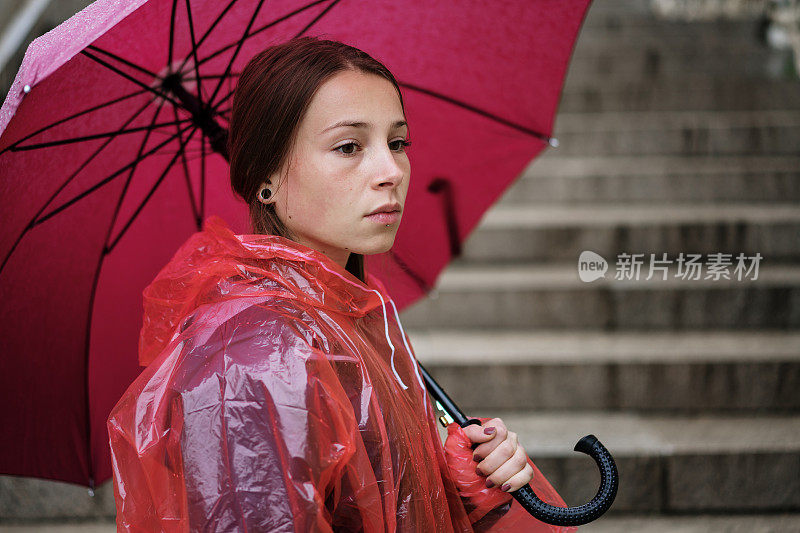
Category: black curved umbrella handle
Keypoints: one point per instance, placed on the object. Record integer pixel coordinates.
(550, 514)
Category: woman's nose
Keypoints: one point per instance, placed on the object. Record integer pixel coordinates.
(389, 170)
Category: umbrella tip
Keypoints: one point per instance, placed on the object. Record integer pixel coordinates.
(552, 141)
(26, 89)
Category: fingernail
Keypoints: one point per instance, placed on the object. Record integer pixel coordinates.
(489, 430)
(477, 458)
(478, 471)
(505, 487)
(489, 484)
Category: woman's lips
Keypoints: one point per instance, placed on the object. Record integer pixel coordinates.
(384, 218)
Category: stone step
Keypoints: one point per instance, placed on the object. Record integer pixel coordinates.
(723, 37)
(584, 92)
(603, 30)
(669, 464)
(614, 23)
(27, 499)
(576, 180)
(634, 43)
(622, 7)
(512, 296)
(743, 523)
(763, 132)
(689, 372)
(49, 527)
(545, 233)
(617, 15)
(627, 61)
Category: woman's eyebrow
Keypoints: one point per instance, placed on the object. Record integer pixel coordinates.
(359, 124)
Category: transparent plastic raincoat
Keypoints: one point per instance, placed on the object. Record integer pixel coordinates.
(281, 394)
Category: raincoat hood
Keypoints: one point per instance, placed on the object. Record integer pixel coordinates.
(282, 394)
(216, 265)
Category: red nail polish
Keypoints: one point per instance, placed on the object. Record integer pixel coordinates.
(478, 471)
(489, 484)
(489, 430)
(505, 487)
(477, 458)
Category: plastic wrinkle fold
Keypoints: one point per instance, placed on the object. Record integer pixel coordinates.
(281, 394)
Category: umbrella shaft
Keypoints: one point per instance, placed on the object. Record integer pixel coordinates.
(202, 115)
(441, 396)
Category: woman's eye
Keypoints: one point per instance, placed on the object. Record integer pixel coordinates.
(398, 146)
(401, 144)
(345, 152)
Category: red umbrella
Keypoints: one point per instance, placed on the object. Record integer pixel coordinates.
(112, 154)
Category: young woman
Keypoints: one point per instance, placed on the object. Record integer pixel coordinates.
(281, 392)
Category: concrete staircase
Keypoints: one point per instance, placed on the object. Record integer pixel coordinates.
(674, 137)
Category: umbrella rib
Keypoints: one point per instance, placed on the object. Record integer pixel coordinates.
(122, 60)
(247, 36)
(259, 30)
(167, 132)
(194, 50)
(317, 18)
(130, 78)
(76, 115)
(298, 34)
(103, 182)
(211, 76)
(477, 110)
(87, 336)
(132, 171)
(171, 46)
(152, 191)
(96, 136)
(224, 99)
(207, 33)
(83, 165)
(239, 45)
(189, 150)
(185, 166)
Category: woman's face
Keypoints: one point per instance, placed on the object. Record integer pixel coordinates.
(337, 174)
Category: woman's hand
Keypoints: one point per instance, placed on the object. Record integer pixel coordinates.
(499, 456)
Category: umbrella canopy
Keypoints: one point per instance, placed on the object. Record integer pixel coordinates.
(112, 154)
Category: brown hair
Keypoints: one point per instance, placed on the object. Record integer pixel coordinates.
(274, 90)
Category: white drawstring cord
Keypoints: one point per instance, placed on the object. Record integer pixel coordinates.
(388, 340)
(410, 354)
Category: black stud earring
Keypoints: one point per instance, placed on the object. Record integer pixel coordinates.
(265, 193)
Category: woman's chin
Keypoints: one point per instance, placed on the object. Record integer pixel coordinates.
(376, 245)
